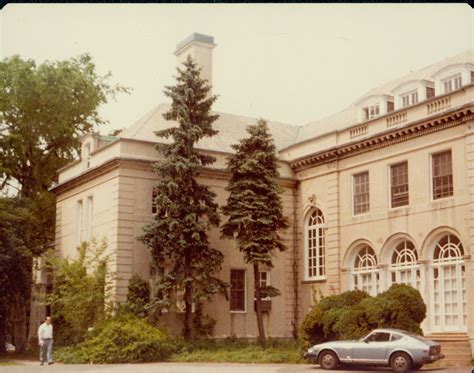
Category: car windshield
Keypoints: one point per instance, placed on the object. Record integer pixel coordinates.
(418, 337)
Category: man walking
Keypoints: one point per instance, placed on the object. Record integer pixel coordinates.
(45, 338)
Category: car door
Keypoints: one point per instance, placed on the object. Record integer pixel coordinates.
(372, 349)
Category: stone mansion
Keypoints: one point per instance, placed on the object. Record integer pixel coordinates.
(379, 193)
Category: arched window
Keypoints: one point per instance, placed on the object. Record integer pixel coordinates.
(403, 266)
(365, 273)
(315, 245)
(448, 295)
(448, 249)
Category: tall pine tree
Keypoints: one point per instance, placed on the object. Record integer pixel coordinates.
(254, 206)
(185, 209)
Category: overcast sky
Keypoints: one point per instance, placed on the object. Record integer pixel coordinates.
(293, 63)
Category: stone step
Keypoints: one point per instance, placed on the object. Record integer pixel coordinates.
(462, 348)
(449, 336)
(449, 363)
(456, 348)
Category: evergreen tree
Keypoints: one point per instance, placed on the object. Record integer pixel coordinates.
(254, 207)
(185, 209)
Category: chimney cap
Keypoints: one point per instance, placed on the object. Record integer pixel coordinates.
(195, 37)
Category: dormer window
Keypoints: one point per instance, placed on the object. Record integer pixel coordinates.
(452, 77)
(86, 156)
(452, 83)
(412, 92)
(409, 99)
(371, 107)
(372, 111)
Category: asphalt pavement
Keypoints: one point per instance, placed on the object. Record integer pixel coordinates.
(28, 367)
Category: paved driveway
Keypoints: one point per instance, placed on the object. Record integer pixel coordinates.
(194, 368)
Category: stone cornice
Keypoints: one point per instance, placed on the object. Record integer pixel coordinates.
(387, 138)
(144, 165)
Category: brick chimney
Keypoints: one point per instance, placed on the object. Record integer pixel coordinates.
(200, 48)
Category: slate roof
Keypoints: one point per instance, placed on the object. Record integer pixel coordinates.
(348, 116)
(233, 127)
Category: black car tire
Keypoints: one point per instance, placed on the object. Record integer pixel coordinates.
(400, 362)
(328, 360)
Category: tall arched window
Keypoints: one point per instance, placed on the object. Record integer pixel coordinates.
(448, 296)
(315, 246)
(365, 273)
(403, 266)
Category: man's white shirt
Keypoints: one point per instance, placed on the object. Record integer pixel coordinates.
(45, 331)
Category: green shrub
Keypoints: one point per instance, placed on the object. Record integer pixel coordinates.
(353, 314)
(352, 323)
(81, 292)
(399, 307)
(312, 330)
(318, 325)
(124, 339)
(138, 297)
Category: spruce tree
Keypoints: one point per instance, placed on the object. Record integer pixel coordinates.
(185, 210)
(254, 207)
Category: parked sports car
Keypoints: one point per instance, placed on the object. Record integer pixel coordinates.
(401, 350)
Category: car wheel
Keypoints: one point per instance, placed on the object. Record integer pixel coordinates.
(400, 362)
(328, 360)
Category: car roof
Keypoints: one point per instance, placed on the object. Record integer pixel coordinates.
(390, 330)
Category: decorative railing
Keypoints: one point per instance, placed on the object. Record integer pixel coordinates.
(439, 105)
(397, 118)
(359, 131)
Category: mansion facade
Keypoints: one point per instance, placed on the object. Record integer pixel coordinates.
(379, 193)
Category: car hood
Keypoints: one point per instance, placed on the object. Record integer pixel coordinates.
(336, 344)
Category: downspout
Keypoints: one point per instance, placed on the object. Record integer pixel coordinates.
(295, 263)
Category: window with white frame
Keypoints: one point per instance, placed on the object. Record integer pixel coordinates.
(86, 156)
(404, 268)
(399, 184)
(78, 222)
(452, 83)
(442, 174)
(237, 290)
(372, 111)
(410, 98)
(365, 273)
(181, 304)
(361, 193)
(89, 217)
(448, 291)
(315, 245)
(264, 282)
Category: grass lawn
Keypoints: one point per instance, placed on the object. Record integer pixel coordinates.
(288, 352)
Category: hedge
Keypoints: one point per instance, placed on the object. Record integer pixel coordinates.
(352, 314)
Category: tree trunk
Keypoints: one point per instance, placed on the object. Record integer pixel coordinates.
(3, 326)
(258, 305)
(187, 312)
(20, 325)
(187, 300)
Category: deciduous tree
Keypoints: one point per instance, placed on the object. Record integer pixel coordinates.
(44, 111)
